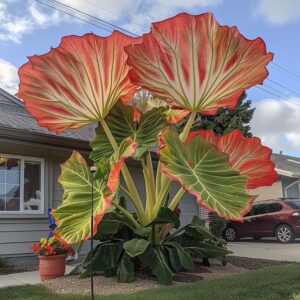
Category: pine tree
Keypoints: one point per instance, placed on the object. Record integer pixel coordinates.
(227, 120)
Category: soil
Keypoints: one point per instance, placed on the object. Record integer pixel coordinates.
(254, 263)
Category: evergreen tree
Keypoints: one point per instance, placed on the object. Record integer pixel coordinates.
(227, 120)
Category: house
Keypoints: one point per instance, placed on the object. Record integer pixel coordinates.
(30, 158)
(288, 182)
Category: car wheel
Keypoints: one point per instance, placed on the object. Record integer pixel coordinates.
(230, 234)
(285, 234)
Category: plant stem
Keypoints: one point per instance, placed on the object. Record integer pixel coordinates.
(176, 199)
(127, 177)
(188, 126)
(127, 214)
(151, 175)
(149, 184)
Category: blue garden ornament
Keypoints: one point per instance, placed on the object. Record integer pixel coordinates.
(52, 224)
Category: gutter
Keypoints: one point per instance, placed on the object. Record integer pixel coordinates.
(29, 136)
(287, 173)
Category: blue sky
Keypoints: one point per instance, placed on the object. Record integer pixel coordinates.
(28, 27)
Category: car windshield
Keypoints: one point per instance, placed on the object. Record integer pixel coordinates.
(294, 204)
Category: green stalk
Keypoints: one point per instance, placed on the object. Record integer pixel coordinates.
(158, 178)
(127, 177)
(183, 135)
(127, 214)
(176, 199)
(149, 184)
(151, 175)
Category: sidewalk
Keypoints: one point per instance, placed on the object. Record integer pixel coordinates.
(24, 278)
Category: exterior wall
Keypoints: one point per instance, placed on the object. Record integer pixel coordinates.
(269, 192)
(19, 232)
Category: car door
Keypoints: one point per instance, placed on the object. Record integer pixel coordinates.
(246, 227)
(266, 220)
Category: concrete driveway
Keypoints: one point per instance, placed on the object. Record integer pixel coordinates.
(266, 249)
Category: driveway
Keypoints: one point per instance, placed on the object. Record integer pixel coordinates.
(266, 249)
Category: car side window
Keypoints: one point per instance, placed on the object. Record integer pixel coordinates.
(273, 207)
(261, 209)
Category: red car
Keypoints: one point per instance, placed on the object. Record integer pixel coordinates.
(279, 218)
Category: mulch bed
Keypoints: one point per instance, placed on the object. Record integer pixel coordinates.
(144, 280)
(254, 263)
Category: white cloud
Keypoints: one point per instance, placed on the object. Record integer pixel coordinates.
(133, 15)
(278, 12)
(14, 23)
(8, 76)
(276, 122)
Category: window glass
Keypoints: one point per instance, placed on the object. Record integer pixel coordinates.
(10, 169)
(32, 185)
(293, 204)
(15, 197)
(273, 207)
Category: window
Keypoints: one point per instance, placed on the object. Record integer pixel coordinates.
(21, 185)
(293, 204)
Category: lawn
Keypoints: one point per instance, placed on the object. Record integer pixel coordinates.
(273, 283)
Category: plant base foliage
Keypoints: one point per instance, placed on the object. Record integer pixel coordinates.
(123, 249)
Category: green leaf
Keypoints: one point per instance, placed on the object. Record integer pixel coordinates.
(155, 259)
(107, 256)
(203, 249)
(122, 125)
(174, 259)
(136, 247)
(73, 216)
(113, 222)
(166, 216)
(184, 256)
(125, 270)
(205, 173)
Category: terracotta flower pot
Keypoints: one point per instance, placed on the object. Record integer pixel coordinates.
(51, 267)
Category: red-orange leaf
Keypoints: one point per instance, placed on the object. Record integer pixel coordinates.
(78, 82)
(196, 64)
(246, 155)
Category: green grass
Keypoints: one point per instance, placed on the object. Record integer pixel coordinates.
(274, 283)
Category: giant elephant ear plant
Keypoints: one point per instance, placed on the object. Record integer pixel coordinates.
(189, 64)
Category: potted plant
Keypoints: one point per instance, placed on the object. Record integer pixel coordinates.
(52, 255)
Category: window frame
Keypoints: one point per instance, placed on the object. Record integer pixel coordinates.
(23, 211)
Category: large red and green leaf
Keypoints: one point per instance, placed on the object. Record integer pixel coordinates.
(205, 172)
(245, 155)
(194, 63)
(74, 214)
(122, 125)
(78, 82)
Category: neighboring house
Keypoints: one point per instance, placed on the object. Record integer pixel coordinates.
(30, 158)
(288, 183)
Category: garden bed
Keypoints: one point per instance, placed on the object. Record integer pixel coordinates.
(105, 286)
